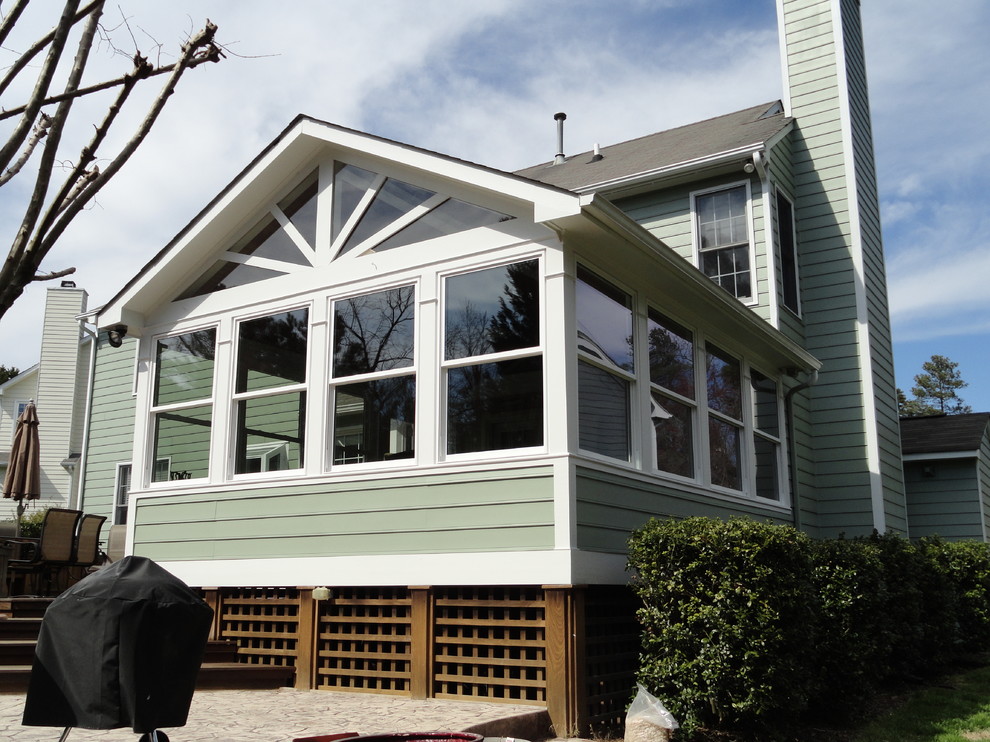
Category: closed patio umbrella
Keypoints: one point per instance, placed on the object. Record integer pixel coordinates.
(22, 481)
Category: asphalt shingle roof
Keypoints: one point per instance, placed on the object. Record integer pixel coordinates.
(663, 149)
(943, 433)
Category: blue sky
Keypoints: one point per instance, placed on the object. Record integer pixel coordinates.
(482, 82)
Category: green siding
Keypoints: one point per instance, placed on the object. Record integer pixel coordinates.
(944, 499)
(610, 507)
(505, 510)
(111, 433)
(820, 92)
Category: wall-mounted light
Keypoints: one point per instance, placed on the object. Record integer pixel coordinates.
(749, 167)
(116, 334)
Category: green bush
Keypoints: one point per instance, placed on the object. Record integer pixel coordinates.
(965, 566)
(31, 523)
(727, 618)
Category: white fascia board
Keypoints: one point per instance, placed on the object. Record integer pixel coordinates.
(551, 567)
(613, 219)
(677, 168)
(22, 376)
(944, 456)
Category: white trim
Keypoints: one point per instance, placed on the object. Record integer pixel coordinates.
(552, 566)
(785, 70)
(754, 298)
(945, 456)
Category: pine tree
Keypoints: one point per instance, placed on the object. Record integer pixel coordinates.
(935, 390)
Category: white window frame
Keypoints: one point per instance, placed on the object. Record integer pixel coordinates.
(750, 232)
(778, 232)
(444, 366)
(333, 381)
(235, 397)
(120, 508)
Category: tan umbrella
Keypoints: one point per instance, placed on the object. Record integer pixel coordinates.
(23, 479)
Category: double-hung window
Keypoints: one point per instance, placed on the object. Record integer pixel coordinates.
(374, 381)
(725, 418)
(722, 227)
(766, 435)
(606, 370)
(672, 394)
(270, 392)
(182, 405)
(493, 359)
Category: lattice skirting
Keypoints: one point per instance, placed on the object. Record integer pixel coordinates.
(570, 649)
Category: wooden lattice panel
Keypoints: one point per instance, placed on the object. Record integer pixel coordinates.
(611, 655)
(490, 644)
(264, 622)
(364, 641)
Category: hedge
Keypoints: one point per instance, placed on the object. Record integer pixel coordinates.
(750, 626)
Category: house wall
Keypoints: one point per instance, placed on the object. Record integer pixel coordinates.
(983, 480)
(944, 499)
(111, 433)
(855, 433)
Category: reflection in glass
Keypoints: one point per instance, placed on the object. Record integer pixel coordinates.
(722, 218)
(374, 420)
(492, 310)
(350, 183)
(300, 208)
(494, 406)
(671, 355)
(765, 415)
(604, 320)
(767, 476)
(673, 424)
(271, 351)
(184, 367)
(603, 412)
(723, 440)
(270, 433)
(724, 382)
(224, 274)
(392, 201)
(450, 217)
(729, 268)
(374, 332)
(269, 240)
(182, 444)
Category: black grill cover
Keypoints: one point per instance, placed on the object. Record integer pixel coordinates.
(121, 648)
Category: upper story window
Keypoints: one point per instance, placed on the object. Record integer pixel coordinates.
(270, 392)
(605, 366)
(787, 241)
(723, 241)
(493, 359)
(182, 405)
(373, 389)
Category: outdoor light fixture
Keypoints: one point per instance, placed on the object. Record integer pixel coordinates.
(116, 334)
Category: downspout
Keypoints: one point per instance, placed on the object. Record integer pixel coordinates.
(791, 446)
(84, 454)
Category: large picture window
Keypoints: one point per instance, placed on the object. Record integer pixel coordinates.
(724, 386)
(374, 381)
(672, 408)
(270, 392)
(605, 366)
(182, 405)
(493, 359)
(722, 224)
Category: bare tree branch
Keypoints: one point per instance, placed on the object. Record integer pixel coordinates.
(39, 133)
(10, 20)
(53, 275)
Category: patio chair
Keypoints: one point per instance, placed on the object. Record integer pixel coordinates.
(87, 544)
(47, 555)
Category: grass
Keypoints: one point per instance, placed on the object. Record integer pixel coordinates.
(955, 710)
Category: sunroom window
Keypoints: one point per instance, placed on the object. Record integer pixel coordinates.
(723, 239)
(672, 405)
(766, 435)
(725, 425)
(270, 392)
(374, 382)
(493, 359)
(182, 405)
(605, 366)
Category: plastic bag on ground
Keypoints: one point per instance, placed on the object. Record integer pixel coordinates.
(647, 720)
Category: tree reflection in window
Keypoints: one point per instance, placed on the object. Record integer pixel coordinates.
(374, 418)
(496, 403)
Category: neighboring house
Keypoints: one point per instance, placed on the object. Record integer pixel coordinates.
(59, 386)
(449, 393)
(947, 475)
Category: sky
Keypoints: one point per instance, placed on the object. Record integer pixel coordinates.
(482, 81)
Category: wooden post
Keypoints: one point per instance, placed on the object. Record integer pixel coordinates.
(566, 691)
(421, 644)
(212, 597)
(306, 636)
